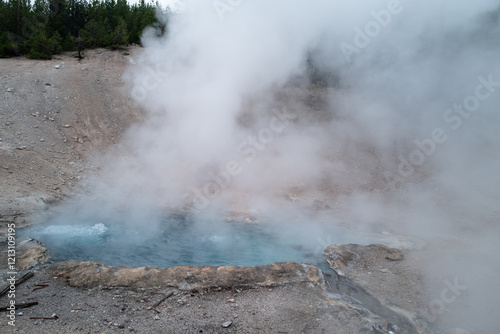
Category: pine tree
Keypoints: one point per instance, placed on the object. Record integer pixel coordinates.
(44, 27)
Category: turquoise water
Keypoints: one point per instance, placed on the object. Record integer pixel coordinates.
(177, 240)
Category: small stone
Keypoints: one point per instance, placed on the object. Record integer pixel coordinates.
(227, 324)
(57, 66)
(47, 84)
(20, 313)
(9, 90)
(157, 317)
(394, 256)
(66, 126)
(55, 316)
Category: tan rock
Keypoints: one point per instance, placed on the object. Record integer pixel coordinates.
(95, 274)
(30, 252)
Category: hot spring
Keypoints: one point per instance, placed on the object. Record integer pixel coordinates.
(185, 240)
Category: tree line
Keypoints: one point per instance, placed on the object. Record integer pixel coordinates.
(43, 28)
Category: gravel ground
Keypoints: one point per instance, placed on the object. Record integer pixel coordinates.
(287, 309)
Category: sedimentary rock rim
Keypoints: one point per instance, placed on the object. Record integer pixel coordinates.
(95, 274)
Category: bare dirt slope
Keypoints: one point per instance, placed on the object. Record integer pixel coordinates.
(53, 115)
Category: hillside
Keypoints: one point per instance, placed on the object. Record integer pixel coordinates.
(54, 116)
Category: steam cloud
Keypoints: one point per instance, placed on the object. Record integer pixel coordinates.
(406, 135)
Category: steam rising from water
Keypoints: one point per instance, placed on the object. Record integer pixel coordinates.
(405, 136)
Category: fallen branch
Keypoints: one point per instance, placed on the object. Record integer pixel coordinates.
(53, 317)
(18, 306)
(165, 298)
(25, 277)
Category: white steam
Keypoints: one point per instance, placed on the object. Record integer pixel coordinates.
(406, 137)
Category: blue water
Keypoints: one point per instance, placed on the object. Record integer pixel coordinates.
(177, 240)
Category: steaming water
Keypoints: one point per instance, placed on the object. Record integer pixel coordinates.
(180, 240)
